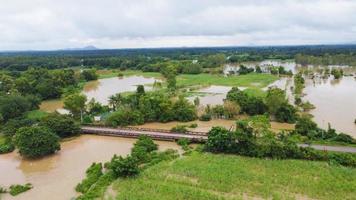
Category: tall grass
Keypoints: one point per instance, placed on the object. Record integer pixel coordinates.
(207, 176)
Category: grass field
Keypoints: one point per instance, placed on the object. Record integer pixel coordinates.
(208, 176)
(184, 80)
(249, 80)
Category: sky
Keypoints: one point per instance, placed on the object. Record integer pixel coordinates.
(58, 24)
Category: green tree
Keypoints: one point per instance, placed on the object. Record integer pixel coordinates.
(12, 106)
(62, 125)
(305, 125)
(75, 103)
(36, 141)
(220, 140)
(183, 110)
(275, 99)
(89, 74)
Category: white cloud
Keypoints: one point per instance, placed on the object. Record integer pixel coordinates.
(53, 24)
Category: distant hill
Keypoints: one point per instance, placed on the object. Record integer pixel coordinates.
(91, 47)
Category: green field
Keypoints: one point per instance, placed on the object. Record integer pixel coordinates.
(184, 80)
(208, 176)
(249, 80)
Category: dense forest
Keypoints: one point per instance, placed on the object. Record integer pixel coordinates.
(151, 59)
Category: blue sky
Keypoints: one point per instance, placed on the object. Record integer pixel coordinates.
(54, 24)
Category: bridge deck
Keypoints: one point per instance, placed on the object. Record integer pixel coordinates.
(132, 133)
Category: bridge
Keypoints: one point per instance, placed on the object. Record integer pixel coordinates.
(156, 134)
(161, 134)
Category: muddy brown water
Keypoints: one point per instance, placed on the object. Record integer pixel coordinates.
(335, 102)
(102, 89)
(56, 176)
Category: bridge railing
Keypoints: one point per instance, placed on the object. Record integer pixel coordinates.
(148, 129)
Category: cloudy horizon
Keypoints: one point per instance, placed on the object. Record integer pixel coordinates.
(111, 24)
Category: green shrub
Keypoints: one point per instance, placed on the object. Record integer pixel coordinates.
(343, 138)
(194, 125)
(93, 173)
(125, 117)
(2, 190)
(62, 125)
(7, 147)
(124, 167)
(179, 129)
(18, 189)
(205, 117)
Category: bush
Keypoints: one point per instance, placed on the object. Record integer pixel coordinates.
(10, 128)
(220, 140)
(146, 142)
(205, 117)
(93, 173)
(2, 190)
(194, 125)
(179, 129)
(304, 125)
(242, 142)
(124, 167)
(286, 113)
(89, 74)
(7, 146)
(37, 141)
(62, 125)
(18, 189)
(343, 138)
(125, 117)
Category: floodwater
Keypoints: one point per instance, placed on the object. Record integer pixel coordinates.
(265, 65)
(56, 176)
(335, 102)
(212, 95)
(102, 89)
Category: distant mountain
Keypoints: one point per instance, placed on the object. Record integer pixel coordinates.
(91, 47)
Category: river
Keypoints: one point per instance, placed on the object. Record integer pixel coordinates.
(55, 177)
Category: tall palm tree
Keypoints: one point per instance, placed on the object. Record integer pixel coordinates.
(115, 101)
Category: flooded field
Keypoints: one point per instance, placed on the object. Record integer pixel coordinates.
(335, 102)
(212, 95)
(55, 177)
(102, 89)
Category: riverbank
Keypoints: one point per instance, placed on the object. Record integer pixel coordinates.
(209, 176)
(55, 177)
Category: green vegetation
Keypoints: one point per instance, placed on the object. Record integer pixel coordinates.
(61, 125)
(36, 141)
(89, 74)
(143, 155)
(93, 173)
(308, 129)
(208, 176)
(141, 107)
(248, 80)
(179, 129)
(18, 189)
(262, 143)
(36, 115)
